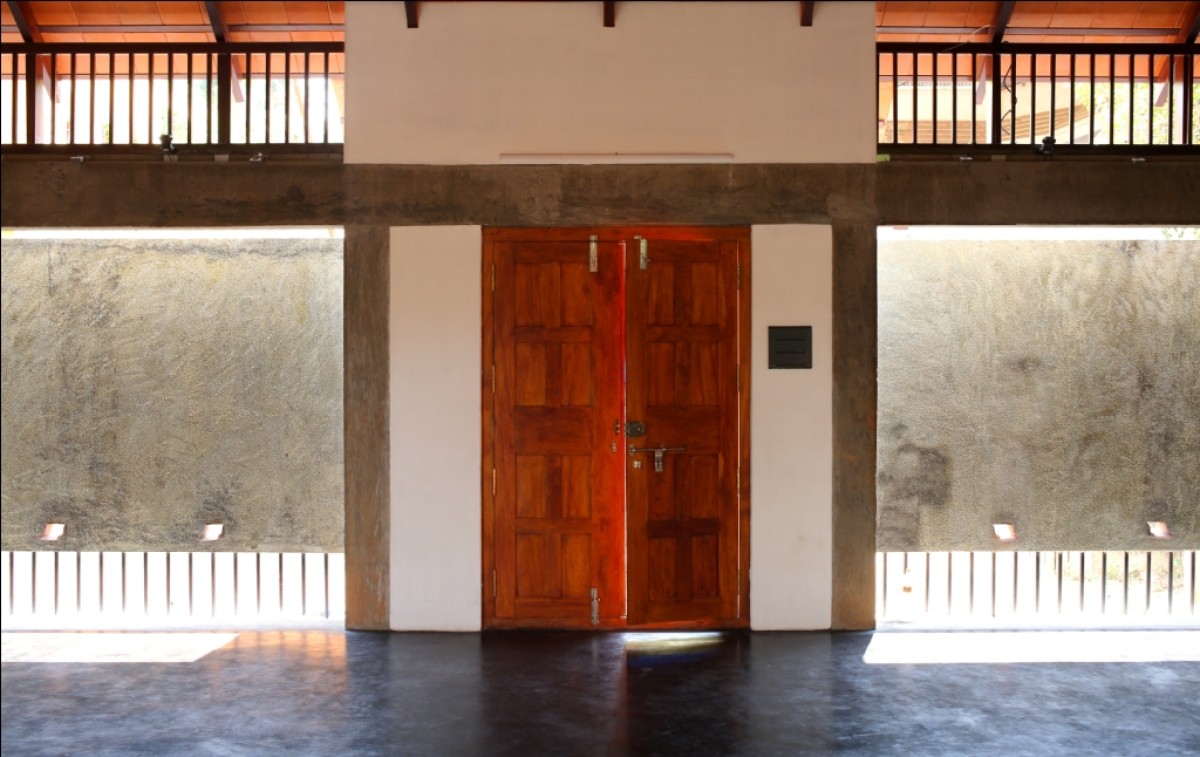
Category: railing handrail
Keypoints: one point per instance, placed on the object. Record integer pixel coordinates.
(1040, 48)
(161, 48)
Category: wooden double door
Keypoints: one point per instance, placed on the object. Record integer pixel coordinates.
(615, 428)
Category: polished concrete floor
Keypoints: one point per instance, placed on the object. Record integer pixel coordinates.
(333, 693)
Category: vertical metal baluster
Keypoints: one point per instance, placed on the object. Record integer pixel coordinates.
(1016, 579)
(145, 583)
(328, 86)
(171, 94)
(1150, 103)
(1170, 562)
(72, 130)
(53, 99)
(112, 97)
(124, 586)
(281, 591)
(1073, 85)
(936, 62)
(327, 610)
(91, 98)
(129, 61)
(307, 100)
(168, 587)
(210, 60)
(1103, 582)
(287, 97)
(191, 581)
(949, 581)
(247, 98)
(212, 575)
(257, 577)
(1053, 93)
(1170, 101)
(235, 583)
(1125, 584)
(993, 584)
(1149, 583)
(915, 77)
(33, 593)
(1037, 582)
(954, 98)
(190, 113)
(971, 584)
(928, 562)
(1033, 62)
(101, 573)
(1132, 89)
(56, 582)
(150, 136)
(267, 98)
(1092, 99)
(1112, 100)
(79, 582)
(1058, 569)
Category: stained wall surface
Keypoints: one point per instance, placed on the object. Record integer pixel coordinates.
(153, 386)
(1053, 385)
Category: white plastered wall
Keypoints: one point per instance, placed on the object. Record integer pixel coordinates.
(435, 433)
(791, 433)
(481, 83)
(435, 345)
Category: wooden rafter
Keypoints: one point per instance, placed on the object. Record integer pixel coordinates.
(1004, 13)
(806, 13)
(26, 23)
(410, 13)
(610, 13)
(217, 24)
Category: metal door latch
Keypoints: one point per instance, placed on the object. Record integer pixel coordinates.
(658, 452)
(634, 429)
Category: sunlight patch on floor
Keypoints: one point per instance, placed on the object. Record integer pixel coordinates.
(110, 647)
(1033, 646)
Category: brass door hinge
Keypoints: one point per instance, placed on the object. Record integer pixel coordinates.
(593, 254)
(643, 252)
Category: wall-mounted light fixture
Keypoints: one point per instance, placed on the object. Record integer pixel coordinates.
(53, 531)
(1158, 529)
(1005, 531)
(213, 531)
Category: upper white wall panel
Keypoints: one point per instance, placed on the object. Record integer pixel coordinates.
(492, 82)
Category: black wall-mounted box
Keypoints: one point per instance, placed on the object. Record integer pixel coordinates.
(789, 346)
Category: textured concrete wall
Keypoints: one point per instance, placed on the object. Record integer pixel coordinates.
(1052, 385)
(153, 386)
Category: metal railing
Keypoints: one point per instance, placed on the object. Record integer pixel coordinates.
(202, 97)
(1038, 588)
(133, 589)
(1140, 99)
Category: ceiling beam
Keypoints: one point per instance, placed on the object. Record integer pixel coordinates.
(1004, 12)
(1190, 33)
(215, 21)
(188, 28)
(410, 13)
(806, 13)
(610, 13)
(1027, 31)
(26, 23)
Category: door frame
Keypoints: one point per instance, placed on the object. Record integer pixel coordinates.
(492, 235)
